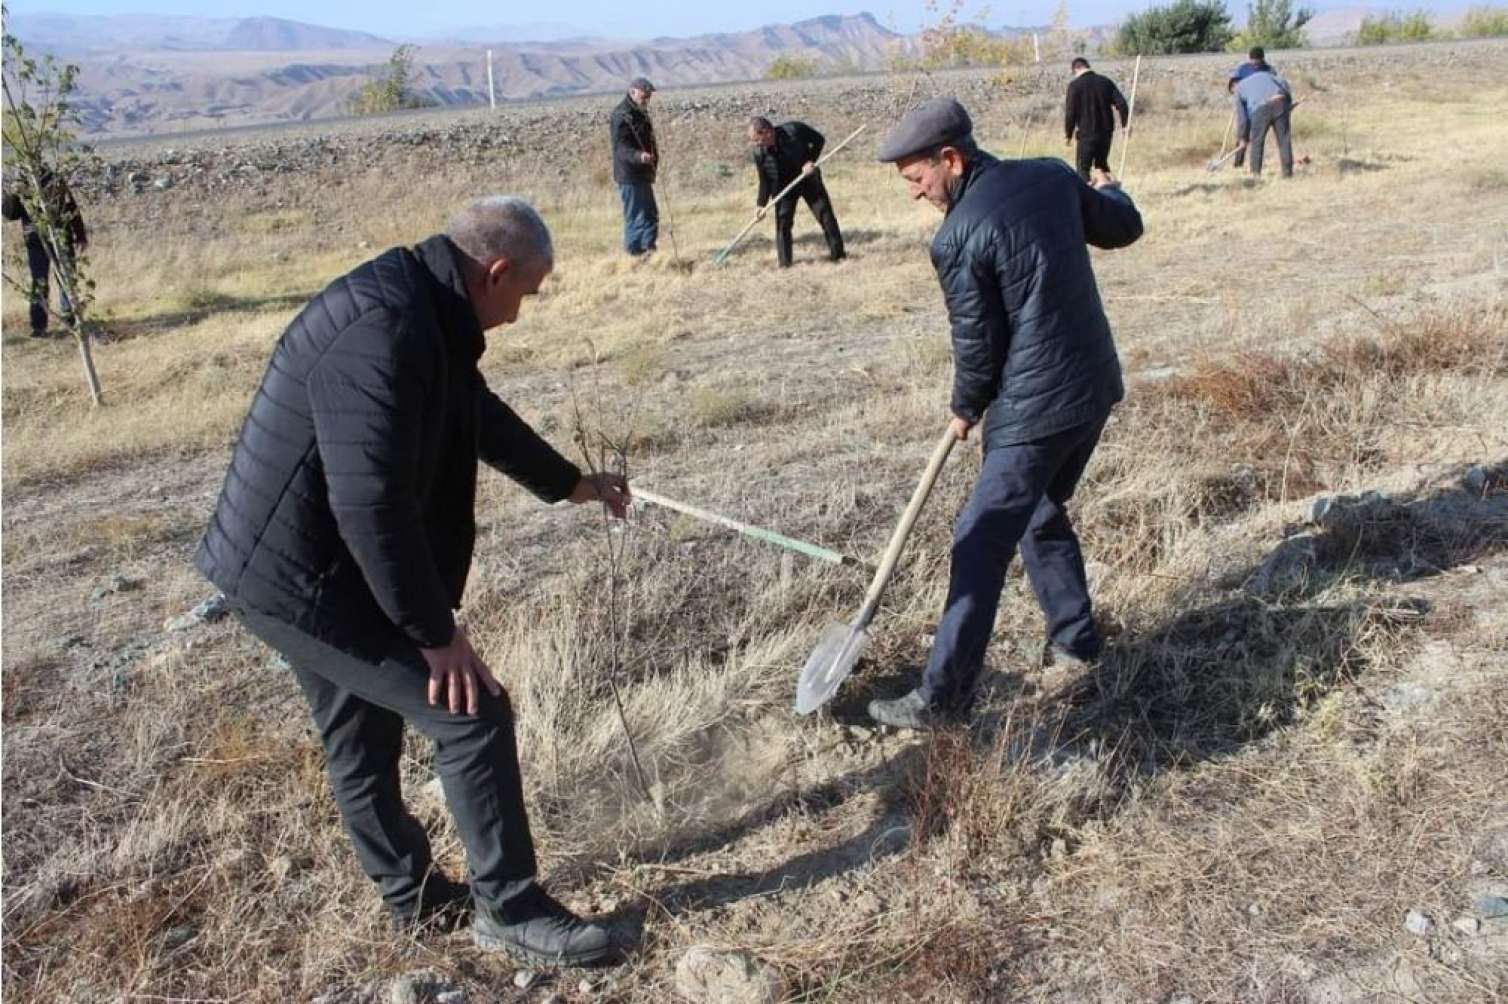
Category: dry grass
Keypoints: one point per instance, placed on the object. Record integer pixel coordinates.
(1230, 806)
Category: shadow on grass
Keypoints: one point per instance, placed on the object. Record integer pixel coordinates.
(1229, 672)
(196, 308)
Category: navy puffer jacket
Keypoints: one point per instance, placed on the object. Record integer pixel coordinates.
(1031, 344)
(349, 506)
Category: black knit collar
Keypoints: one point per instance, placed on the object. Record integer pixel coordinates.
(443, 260)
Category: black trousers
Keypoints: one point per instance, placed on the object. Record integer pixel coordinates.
(1271, 115)
(1092, 151)
(815, 194)
(1020, 500)
(40, 265)
(360, 702)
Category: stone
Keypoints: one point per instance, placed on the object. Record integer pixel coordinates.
(163, 183)
(282, 867)
(1418, 924)
(177, 937)
(584, 989)
(451, 997)
(706, 974)
(1409, 697)
(208, 612)
(1182, 999)
(1469, 926)
(116, 584)
(525, 978)
(421, 986)
(1491, 907)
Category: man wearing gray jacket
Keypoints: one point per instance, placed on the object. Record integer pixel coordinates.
(1263, 101)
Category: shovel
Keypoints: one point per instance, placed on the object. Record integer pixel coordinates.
(841, 644)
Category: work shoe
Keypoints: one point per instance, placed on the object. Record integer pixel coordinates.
(443, 907)
(1055, 656)
(909, 711)
(542, 932)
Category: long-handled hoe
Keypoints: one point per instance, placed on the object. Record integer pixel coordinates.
(841, 645)
(722, 255)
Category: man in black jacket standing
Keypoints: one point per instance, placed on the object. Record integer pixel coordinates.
(71, 238)
(781, 155)
(1034, 362)
(343, 536)
(635, 160)
(1090, 110)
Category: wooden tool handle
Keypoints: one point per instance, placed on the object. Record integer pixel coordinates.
(903, 529)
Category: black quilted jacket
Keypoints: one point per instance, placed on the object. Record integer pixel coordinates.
(795, 144)
(632, 134)
(1031, 345)
(349, 504)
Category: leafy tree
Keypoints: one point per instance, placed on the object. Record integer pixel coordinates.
(1485, 22)
(791, 68)
(392, 88)
(1395, 27)
(41, 154)
(1273, 24)
(1182, 26)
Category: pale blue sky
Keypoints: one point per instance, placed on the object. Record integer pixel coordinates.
(616, 18)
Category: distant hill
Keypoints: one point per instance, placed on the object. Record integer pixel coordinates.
(191, 73)
(66, 34)
(274, 34)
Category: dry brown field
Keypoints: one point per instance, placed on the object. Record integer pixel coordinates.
(1295, 739)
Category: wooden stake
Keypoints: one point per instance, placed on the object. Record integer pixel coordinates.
(1130, 119)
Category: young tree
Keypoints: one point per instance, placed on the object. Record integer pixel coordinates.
(42, 153)
(392, 88)
(1273, 24)
(1182, 26)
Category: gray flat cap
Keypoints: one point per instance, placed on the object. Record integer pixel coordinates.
(939, 121)
(641, 84)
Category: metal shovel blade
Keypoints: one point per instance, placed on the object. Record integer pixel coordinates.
(830, 663)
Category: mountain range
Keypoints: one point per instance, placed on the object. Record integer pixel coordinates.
(143, 74)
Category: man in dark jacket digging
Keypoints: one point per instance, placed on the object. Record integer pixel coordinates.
(1034, 362)
(635, 160)
(781, 155)
(343, 537)
(1089, 111)
(71, 238)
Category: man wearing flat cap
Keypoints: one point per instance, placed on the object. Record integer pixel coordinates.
(1034, 364)
(635, 158)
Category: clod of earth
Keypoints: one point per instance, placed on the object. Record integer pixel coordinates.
(706, 975)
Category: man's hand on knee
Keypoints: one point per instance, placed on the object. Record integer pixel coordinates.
(457, 674)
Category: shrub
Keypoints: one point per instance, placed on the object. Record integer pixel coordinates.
(1485, 22)
(1395, 27)
(392, 88)
(1182, 26)
(1273, 24)
(791, 68)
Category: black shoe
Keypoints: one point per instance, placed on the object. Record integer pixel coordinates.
(1055, 656)
(910, 711)
(443, 907)
(542, 932)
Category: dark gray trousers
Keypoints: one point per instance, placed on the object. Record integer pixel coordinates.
(1272, 115)
(360, 702)
(1020, 500)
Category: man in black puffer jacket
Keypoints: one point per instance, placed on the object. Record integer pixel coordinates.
(781, 155)
(1034, 362)
(343, 537)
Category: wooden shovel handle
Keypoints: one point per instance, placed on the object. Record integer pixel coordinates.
(903, 529)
